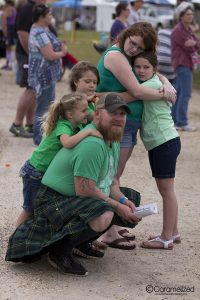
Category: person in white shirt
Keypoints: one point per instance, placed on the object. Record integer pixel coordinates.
(134, 16)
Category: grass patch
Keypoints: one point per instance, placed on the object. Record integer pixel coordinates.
(82, 45)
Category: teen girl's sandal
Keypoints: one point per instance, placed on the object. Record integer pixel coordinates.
(157, 243)
(176, 238)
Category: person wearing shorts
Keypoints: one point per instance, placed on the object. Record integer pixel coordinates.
(162, 142)
(8, 27)
(163, 158)
(26, 104)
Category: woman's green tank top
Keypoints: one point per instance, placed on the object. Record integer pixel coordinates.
(109, 83)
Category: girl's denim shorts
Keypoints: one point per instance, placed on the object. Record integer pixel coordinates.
(129, 138)
(31, 184)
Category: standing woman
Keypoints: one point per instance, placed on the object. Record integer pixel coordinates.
(184, 56)
(45, 52)
(122, 12)
(117, 75)
(8, 27)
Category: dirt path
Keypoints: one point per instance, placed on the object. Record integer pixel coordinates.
(120, 275)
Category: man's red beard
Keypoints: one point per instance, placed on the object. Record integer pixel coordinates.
(112, 133)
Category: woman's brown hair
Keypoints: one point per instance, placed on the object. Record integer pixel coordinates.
(142, 29)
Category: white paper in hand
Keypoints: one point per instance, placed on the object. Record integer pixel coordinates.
(146, 210)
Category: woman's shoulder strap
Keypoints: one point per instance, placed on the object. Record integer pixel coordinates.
(113, 48)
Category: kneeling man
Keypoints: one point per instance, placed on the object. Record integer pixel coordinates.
(79, 198)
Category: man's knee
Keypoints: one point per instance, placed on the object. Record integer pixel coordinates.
(102, 222)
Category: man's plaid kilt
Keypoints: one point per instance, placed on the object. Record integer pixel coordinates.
(56, 216)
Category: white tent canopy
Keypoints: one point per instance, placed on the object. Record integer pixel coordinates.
(104, 15)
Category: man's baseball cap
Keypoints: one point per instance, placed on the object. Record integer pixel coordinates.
(111, 102)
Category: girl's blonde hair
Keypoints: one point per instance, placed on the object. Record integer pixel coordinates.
(59, 108)
(78, 71)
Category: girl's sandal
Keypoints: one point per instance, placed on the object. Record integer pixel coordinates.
(176, 238)
(157, 243)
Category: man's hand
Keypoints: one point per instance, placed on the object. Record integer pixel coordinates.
(126, 213)
(130, 204)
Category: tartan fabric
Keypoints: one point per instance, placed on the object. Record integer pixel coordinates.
(55, 216)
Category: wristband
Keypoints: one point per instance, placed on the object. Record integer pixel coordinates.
(122, 200)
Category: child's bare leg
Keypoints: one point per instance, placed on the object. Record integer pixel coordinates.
(24, 215)
(170, 213)
(175, 230)
(170, 208)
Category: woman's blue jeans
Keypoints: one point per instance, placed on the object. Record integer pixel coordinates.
(184, 92)
(42, 105)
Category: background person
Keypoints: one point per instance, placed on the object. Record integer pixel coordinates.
(122, 12)
(164, 55)
(134, 15)
(81, 199)
(2, 38)
(185, 45)
(45, 53)
(26, 104)
(8, 27)
(194, 26)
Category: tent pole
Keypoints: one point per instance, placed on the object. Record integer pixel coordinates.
(73, 32)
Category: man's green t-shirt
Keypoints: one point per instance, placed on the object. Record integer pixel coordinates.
(50, 145)
(92, 158)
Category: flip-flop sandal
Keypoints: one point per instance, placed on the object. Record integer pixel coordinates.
(100, 245)
(124, 232)
(116, 244)
(164, 245)
(176, 238)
